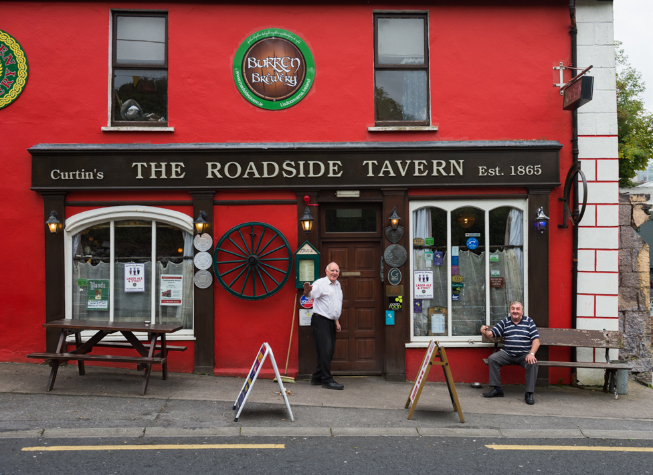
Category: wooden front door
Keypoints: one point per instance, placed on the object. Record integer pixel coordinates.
(359, 345)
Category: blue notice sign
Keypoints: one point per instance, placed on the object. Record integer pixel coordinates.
(389, 317)
(472, 243)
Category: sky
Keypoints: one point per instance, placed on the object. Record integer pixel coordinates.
(633, 26)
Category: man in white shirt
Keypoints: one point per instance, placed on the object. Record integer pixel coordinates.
(327, 306)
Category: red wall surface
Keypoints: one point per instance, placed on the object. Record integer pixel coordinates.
(490, 79)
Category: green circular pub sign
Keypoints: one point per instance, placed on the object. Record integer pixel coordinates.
(274, 69)
(13, 69)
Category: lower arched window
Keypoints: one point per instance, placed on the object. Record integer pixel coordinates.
(130, 264)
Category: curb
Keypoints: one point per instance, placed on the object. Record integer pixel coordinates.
(159, 432)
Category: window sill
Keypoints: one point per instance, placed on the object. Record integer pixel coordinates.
(138, 129)
(409, 128)
(451, 344)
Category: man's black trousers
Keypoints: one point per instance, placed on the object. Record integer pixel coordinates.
(324, 334)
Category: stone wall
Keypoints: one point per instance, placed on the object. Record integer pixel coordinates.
(634, 286)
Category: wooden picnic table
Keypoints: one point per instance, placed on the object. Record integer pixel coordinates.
(149, 353)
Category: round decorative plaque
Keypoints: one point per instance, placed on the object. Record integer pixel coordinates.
(203, 242)
(203, 279)
(203, 260)
(395, 255)
(13, 69)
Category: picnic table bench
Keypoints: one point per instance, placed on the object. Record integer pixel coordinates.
(574, 338)
(148, 354)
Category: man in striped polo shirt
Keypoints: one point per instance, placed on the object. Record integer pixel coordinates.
(520, 343)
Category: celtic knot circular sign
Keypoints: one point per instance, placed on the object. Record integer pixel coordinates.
(274, 69)
(13, 69)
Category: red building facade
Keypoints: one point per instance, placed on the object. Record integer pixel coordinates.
(462, 127)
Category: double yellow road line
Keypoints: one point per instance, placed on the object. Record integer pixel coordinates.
(570, 448)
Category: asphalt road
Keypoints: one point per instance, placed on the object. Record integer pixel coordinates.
(324, 455)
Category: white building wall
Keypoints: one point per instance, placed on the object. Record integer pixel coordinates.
(598, 236)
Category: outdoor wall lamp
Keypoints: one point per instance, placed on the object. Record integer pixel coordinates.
(201, 223)
(541, 220)
(307, 220)
(394, 219)
(53, 223)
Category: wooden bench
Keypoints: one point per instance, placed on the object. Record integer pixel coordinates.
(106, 358)
(579, 339)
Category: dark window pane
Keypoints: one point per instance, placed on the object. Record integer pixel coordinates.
(401, 96)
(170, 244)
(401, 40)
(140, 95)
(133, 241)
(350, 220)
(140, 40)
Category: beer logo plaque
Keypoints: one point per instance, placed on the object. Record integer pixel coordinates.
(13, 69)
(274, 69)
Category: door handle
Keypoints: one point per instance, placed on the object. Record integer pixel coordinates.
(381, 269)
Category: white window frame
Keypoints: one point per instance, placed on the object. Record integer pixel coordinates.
(109, 127)
(449, 206)
(87, 219)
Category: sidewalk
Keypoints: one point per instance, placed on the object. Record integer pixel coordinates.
(106, 402)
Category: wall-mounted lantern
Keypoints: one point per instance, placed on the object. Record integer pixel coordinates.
(53, 223)
(394, 219)
(201, 224)
(541, 220)
(307, 221)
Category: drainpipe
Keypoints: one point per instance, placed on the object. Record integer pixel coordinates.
(574, 152)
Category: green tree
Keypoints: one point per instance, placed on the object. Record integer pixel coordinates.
(635, 123)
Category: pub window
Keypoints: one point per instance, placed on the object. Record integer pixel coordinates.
(139, 69)
(130, 269)
(401, 69)
(468, 265)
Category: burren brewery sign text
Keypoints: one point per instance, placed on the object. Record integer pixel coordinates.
(274, 69)
(222, 167)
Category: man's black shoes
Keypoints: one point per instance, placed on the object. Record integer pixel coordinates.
(332, 385)
(316, 383)
(496, 392)
(529, 399)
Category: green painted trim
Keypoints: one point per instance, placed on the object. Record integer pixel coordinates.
(282, 103)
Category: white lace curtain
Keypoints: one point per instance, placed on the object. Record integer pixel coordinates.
(136, 306)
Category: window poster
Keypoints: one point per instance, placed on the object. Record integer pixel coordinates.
(171, 290)
(423, 284)
(97, 293)
(428, 258)
(134, 277)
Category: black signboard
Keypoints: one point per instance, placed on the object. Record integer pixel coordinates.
(295, 166)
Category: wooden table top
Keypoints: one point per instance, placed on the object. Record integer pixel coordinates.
(74, 324)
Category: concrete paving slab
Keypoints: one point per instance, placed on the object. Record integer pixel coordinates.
(21, 434)
(286, 431)
(542, 433)
(94, 432)
(618, 434)
(199, 432)
(446, 432)
(374, 431)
